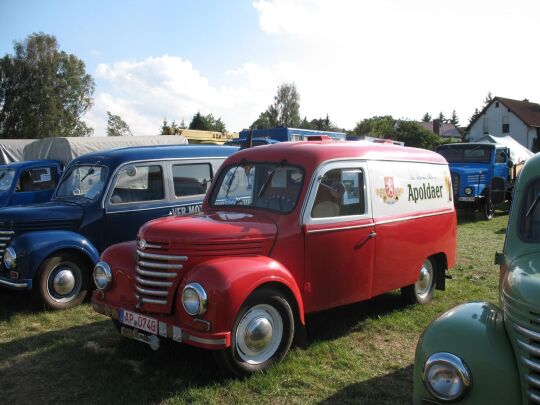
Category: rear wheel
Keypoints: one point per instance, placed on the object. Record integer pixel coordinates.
(62, 281)
(421, 292)
(489, 209)
(261, 335)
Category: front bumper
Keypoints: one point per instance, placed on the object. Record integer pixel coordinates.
(15, 284)
(170, 329)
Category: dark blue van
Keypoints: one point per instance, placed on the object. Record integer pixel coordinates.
(102, 199)
(28, 182)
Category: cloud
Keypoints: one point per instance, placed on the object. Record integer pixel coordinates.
(143, 92)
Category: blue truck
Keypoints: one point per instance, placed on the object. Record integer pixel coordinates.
(102, 199)
(483, 175)
(28, 182)
(283, 134)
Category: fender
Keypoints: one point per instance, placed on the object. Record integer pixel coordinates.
(475, 332)
(228, 282)
(33, 248)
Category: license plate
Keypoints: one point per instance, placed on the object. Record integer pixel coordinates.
(468, 199)
(139, 321)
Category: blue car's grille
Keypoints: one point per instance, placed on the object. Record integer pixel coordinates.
(5, 238)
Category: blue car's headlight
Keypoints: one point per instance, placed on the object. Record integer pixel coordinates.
(10, 258)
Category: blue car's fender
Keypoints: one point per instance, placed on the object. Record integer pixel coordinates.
(32, 248)
(474, 332)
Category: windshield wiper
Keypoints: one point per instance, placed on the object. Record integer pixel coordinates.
(269, 177)
(533, 205)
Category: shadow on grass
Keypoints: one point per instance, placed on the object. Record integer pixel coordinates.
(387, 389)
(16, 302)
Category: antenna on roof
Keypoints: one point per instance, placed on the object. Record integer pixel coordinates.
(248, 143)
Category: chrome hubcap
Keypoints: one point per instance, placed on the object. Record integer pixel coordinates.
(259, 334)
(424, 283)
(64, 282)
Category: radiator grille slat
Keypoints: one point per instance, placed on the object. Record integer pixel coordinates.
(528, 340)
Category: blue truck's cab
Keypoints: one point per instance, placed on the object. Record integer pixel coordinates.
(481, 174)
(28, 182)
(102, 199)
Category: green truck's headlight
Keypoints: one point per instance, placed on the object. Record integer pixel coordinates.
(102, 276)
(446, 376)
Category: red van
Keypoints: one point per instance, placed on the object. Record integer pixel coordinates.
(285, 230)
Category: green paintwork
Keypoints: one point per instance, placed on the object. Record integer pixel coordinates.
(476, 333)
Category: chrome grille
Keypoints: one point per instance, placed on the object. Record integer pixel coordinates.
(5, 238)
(528, 340)
(455, 183)
(156, 274)
(476, 178)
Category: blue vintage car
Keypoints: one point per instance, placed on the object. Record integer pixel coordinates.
(102, 199)
(28, 182)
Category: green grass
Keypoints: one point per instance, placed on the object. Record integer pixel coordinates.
(361, 353)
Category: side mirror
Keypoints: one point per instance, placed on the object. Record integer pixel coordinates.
(509, 164)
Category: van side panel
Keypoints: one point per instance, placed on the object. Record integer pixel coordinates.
(414, 219)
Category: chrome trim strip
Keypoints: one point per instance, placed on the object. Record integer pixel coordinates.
(150, 300)
(7, 232)
(534, 397)
(343, 228)
(527, 332)
(529, 348)
(160, 256)
(531, 364)
(152, 246)
(16, 286)
(6, 238)
(3, 244)
(157, 293)
(163, 266)
(154, 283)
(158, 274)
(413, 217)
(215, 342)
(534, 381)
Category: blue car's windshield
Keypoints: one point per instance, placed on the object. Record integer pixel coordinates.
(6, 179)
(84, 181)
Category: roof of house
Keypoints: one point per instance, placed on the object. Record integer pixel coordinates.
(526, 111)
(446, 130)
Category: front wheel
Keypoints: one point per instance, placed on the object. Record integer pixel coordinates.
(422, 291)
(62, 282)
(261, 336)
(489, 209)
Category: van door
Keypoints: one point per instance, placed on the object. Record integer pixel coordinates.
(339, 237)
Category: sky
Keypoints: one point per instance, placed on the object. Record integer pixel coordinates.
(350, 59)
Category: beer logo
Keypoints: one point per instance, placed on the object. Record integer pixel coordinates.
(390, 193)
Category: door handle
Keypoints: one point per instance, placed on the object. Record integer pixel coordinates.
(372, 234)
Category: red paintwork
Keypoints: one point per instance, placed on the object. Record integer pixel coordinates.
(232, 252)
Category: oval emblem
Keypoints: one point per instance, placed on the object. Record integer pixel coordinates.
(141, 243)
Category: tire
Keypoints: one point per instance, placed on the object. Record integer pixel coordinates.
(268, 315)
(62, 281)
(422, 291)
(488, 210)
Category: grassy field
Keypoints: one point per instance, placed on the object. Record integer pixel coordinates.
(361, 353)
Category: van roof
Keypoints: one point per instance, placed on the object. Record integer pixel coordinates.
(115, 157)
(28, 164)
(312, 153)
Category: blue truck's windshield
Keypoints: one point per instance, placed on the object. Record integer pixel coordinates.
(83, 181)
(476, 154)
(6, 179)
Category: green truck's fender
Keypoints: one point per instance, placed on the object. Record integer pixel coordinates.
(475, 333)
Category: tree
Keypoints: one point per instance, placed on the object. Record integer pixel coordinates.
(454, 120)
(285, 112)
(413, 134)
(474, 116)
(378, 126)
(207, 123)
(116, 126)
(426, 117)
(488, 98)
(43, 91)
(442, 118)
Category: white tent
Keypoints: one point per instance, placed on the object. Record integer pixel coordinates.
(67, 149)
(11, 150)
(518, 152)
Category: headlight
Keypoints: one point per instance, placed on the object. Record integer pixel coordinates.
(446, 376)
(194, 299)
(10, 258)
(102, 276)
(468, 190)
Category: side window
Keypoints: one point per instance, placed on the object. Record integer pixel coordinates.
(37, 179)
(191, 179)
(137, 184)
(500, 157)
(340, 193)
(530, 215)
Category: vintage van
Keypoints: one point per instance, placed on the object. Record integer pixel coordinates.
(102, 198)
(480, 353)
(285, 230)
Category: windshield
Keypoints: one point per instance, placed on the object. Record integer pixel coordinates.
(273, 186)
(6, 179)
(477, 154)
(83, 181)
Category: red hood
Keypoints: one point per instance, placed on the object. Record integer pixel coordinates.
(216, 233)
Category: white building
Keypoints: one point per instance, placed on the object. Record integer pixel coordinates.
(504, 116)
